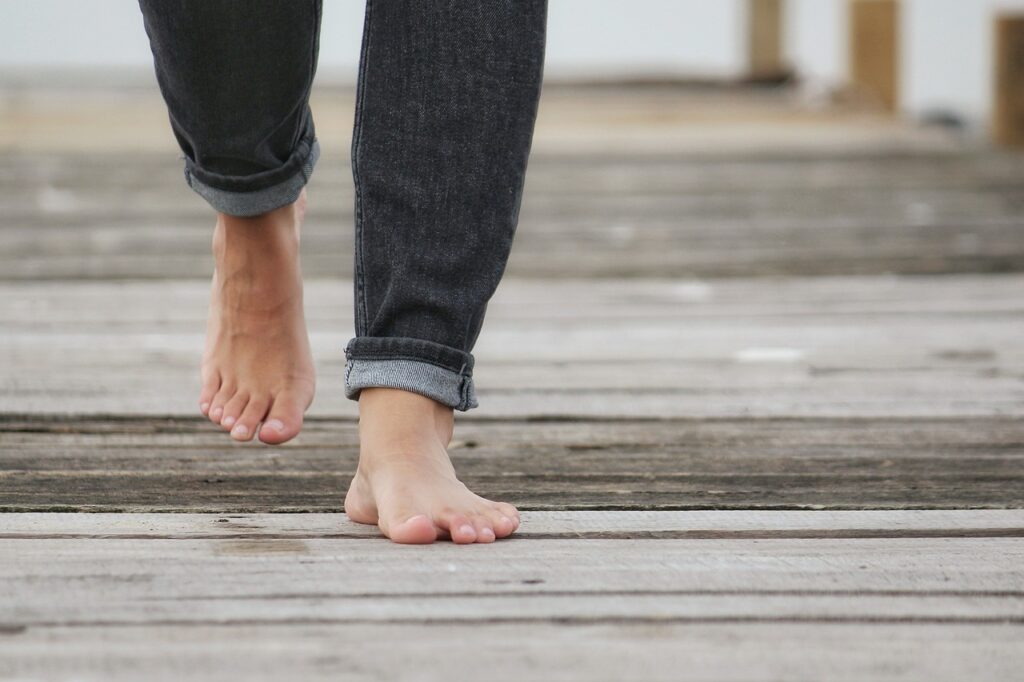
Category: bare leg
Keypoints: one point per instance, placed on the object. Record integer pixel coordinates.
(257, 367)
(236, 78)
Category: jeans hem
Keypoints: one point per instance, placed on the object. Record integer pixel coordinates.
(443, 385)
(248, 204)
(431, 369)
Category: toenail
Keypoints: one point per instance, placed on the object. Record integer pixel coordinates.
(241, 431)
(217, 412)
(487, 531)
(466, 529)
(204, 408)
(276, 425)
(228, 421)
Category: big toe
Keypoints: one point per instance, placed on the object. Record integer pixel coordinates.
(418, 530)
(284, 420)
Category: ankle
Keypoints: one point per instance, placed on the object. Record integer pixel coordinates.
(254, 238)
(409, 407)
(267, 234)
(400, 413)
(383, 398)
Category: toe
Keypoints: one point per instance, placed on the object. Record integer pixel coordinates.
(285, 419)
(484, 529)
(460, 528)
(503, 525)
(416, 530)
(508, 510)
(224, 394)
(233, 409)
(245, 428)
(210, 386)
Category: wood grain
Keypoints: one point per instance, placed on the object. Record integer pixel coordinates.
(745, 446)
(833, 346)
(286, 595)
(559, 652)
(124, 581)
(188, 465)
(118, 216)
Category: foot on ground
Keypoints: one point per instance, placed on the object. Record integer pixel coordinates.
(405, 482)
(257, 371)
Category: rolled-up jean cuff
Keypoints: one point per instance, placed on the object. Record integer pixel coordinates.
(434, 370)
(246, 204)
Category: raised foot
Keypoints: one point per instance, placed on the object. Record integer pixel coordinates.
(406, 484)
(257, 370)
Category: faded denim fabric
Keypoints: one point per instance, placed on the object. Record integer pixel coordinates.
(446, 102)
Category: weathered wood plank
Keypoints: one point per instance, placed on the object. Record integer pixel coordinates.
(132, 217)
(843, 346)
(585, 607)
(695, 524)
(189, 465)
(659, 652)
(526, 299)
(680, 390)
(350, 567)
(123, 581)
(91, 306)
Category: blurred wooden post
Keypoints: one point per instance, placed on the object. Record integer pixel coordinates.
(1008, 111)
(764, 38)
(875, 50)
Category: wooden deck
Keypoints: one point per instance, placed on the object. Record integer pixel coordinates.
(755, 377)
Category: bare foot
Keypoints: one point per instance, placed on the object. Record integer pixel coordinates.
(405, 483)
(257, 366)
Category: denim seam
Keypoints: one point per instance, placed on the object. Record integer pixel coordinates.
(464, 389)
(414, 358)
(314, 53)
(306, 168)
(357, 139)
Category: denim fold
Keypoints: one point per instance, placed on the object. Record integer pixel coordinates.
(434, 370)
(210, 186)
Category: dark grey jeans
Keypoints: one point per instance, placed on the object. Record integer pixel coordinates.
(445, 108)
